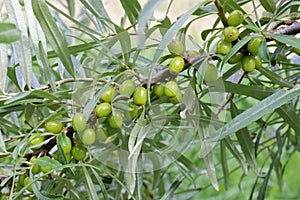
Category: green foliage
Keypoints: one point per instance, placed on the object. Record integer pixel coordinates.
(142, 108)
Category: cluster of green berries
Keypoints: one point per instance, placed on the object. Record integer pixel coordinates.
(249, 58)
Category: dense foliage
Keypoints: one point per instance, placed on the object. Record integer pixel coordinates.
(92, 108)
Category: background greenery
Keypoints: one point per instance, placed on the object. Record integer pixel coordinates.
(58, 57)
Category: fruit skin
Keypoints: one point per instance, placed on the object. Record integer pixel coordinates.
(36, 139)
(159, 90)
(133, 112)
(27, 182)
(101, 134)
(108, 95)
(171, 89)
(115, 120)
(103, 109)
(140, 96)
(176, 65)
(177, 98)
(253, 45)
(54, 126)
(235, 18)
(248, 63)
(46, 169)
(258, 62)
(176, 47)
(231, 33)
(79, 152)
(35, 169)
(21, 179)
(78, 122)
(236, 58)
(127, 87)
(68, 147)
(88, 136)
(223, 47)
(211, 73)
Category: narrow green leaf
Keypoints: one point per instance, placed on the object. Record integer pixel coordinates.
(275, 78)
(245, 141)
(125, 41)
(9, 33)
(48, 162)
(132, 9)
(224, 164)
(90, 185)
(3, 66)
(101, 184)
(269, 5)
(266, 106)
(173, 188)
(2, 144)
(286, 39)
(22, 46)
(54, 36)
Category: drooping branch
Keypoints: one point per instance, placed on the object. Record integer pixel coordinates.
(291, 28)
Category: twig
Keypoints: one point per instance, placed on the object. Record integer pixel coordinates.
(292, 28)
(221, 13)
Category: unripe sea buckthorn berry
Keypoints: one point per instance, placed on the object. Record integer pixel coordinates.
(35, 169)
(36, 140)
(177, 98)
(231, 33)
(211, 73)
(27, 182)
(176, 65)
(236, 58)
(108, 95)
(47, 168)
(78, 122)
(223, 47)
(115, 120)
(140, 96)
(235, 18)
(248, 63)
(253, 45)
(258, 62)
(88, 136)
(127, 87)
(53, 126)
(79, 152)
(133, 112)
(171, 89)
(66, 147)
(159, 90)
(103, 109)
(176, 47)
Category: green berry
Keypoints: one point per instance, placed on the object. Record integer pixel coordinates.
(66, 147)
(253, 45)
(54, 126)
(140, 96)
(36, 140)
(88, 136)
(176, 65)
(127, 87)
(235, 18)
(21, 180)
(236, 58)
(133, 112)
(171, 89)
(177, 98)
(103, 109)
(35, 168)
(79, 152)
(231, 33)
(108, 95)
(101, 134)
(176, 47)
(159, 90)
(78, 122)
(258, 62)
(27, 182)
(47, 168)
(115, 120)
(211, 73)
(223, 47)
(248, 63)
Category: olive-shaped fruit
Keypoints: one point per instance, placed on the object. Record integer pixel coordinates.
(115, 120)
(258, 62)
(35, 168)
(176, 65)
(101, 134)
(177, 98)
(159, 90)
(79, 152)
(231, 33)
(27, 182)
(235, 18)
(248, 63)
(127, 87)
(21, 179)
(66, 147)
(36, 140)
(88, 136)
(223, 47)
(54, 126)
(236, 58)
(171, 89)
(253, 45)
(211, 73)
(78, 122)
(103, 109)
(140, 96)
(176, 47)
(47, 168)
(133, 112)
(109, 94)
